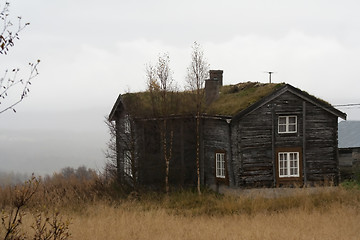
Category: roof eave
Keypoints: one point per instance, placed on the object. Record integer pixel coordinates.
(287, 87)
(326, 106)
(118, 104)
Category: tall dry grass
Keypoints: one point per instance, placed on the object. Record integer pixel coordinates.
(95, 212)
(102, 221)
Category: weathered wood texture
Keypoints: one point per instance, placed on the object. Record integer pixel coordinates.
(215, 139)
(254, 166)
(150, 160)
(250, 144)
(349, 163)
(321, 145)
(120, 145)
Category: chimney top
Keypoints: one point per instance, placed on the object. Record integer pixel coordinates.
(217, 75)
(212, 86)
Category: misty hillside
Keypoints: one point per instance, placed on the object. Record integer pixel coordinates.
(46, 151)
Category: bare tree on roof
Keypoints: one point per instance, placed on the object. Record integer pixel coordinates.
(197, 73)
(162, 89)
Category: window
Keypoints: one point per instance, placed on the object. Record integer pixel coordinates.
(127, 163)
(287, 124)
(289, 164)
(127, 125)
(220, 165)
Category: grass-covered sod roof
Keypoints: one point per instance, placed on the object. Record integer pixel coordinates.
(232, 99)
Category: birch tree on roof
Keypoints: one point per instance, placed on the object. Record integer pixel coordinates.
(162, 91)
(197, 73)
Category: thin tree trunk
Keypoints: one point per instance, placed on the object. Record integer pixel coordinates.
(163, 136)
(198, 151)
(167, 155)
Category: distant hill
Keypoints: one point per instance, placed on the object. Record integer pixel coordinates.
(349, 134)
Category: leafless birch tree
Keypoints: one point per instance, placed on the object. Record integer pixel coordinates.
(197, 73)
(161, 88)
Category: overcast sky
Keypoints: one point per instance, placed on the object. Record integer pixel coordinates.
(91, 51)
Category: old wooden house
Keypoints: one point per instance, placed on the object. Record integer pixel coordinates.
(251, 135)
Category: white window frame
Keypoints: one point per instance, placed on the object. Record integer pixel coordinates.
(220, 166)
(287, 124)
(127, 163)
(289, 164)
(127, 124)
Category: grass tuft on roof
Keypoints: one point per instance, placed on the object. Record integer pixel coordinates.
(232, 99)
(235, 98)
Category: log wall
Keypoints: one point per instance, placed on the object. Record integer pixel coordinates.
(258, 139)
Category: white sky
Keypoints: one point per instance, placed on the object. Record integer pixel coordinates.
(91, 51)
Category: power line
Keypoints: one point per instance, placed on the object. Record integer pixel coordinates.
(347, 105)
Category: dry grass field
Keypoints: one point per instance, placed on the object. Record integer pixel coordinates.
(106, 222)
(93, 213)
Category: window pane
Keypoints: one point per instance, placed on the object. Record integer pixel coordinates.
(292, 128)
(288, 164)
(287, 124)
(292, 120)
(282, 120)
(295, 164)
(127, 163)
(127, 125)
(282, 128)
(220, 165)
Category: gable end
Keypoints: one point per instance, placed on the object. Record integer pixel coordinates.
(288, 88)
(118, 107)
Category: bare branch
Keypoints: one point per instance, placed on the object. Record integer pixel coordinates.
(9, 33)
(10, 82)
(198, 71)
(162, 93)
(197, 74)
(8, 36)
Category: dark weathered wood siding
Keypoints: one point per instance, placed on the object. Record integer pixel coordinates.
(258, 140)
(251, 144)
(349, 162)
(150, 158)
(215, 139)
(321, 145)
(254, 135)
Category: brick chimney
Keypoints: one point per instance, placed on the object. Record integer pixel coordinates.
(212, 86)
